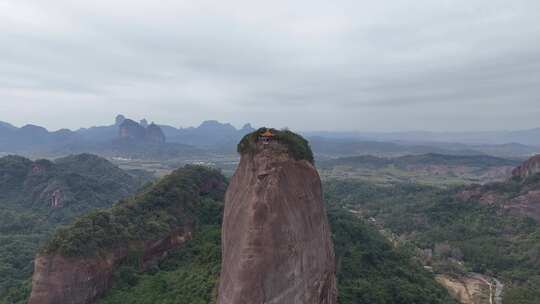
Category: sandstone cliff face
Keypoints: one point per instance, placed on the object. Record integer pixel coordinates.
(81, 280)
(155, 134)
(131, 130)
(76, 265)
(276, 239)
(59, 279)
(519, 195)
(527, 204)
(528, 168)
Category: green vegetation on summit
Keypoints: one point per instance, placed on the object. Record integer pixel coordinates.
(297, 146)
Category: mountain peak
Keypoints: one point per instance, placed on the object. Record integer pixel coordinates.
(263, 138)
(119, 119)
(273, 226)
(247, 128)
(132, 130)
(214, 124)
(144, 122)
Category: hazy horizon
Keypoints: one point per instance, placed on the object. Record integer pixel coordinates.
(388, 66)
(255, 125)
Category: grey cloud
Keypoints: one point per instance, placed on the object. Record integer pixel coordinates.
(316, 64)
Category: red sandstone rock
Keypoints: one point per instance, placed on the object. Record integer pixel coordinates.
(131, 130)
(154, 134)
(528, 168)
(58, 279)
(523, 201)
(82, 280)
(276, 239)
(527, 204)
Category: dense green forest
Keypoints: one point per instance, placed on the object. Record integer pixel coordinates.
(178, 200)
(27, 215)
(370, 270)
(188, 197)
(478, 161)
(430, 169)
(487, 239)
(464, 236)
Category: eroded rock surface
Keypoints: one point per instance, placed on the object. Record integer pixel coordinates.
(528, 168)
(78, 268)
(131, 130)
(276, 239)
(58, 279)
(519, 195)
(81, 280)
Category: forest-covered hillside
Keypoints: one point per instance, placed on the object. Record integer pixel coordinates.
(391, 240)
(38, 196)
(430, 169)
(452, 235)
(370, 269)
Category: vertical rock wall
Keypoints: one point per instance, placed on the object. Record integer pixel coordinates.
(276, 240)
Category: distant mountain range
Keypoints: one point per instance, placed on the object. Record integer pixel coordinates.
(209, 133)
(331, 147)
(529, 137)
(143, 140)
(125, 138)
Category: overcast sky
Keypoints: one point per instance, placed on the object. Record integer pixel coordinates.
(385, 65)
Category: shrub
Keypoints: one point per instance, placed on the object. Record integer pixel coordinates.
(297, 146)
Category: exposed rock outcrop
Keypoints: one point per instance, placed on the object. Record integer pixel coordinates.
(471, 288)
(528, 168)
(143, 122)
(133, 131)
(154, 134)
(77, 268)
(130, 129)
(526, 205)
(276, 239)
(57, 278)
(519, 195)
(61, 279)
(119, 119)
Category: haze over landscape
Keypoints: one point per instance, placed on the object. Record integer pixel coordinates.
(240, 152)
